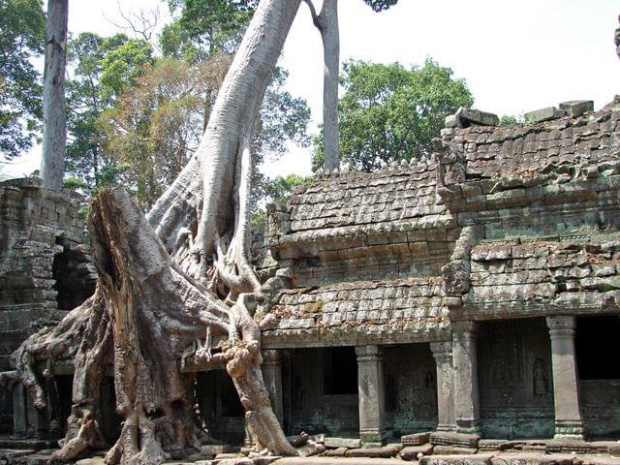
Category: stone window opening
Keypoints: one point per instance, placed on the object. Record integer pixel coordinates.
(74, 274)
(598, 347)
(339, 371)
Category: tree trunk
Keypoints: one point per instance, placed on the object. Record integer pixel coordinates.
(327, 23)
(54, 112)
(331, 57)
(167, 280)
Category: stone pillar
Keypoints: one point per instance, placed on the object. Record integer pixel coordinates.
(442, 352)
(371, 390)
(568, 419)
(272, 375)
(20, 404)
(465, 362)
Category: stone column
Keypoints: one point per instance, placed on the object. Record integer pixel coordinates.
(371, 390)
(568, 419)
(272, 374)
(20, 404)
(465, 362)
(442, 352)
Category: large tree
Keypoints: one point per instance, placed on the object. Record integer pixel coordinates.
(326, 21)
(22, 28)
(168, 278)
(54, 111)
(389, 112)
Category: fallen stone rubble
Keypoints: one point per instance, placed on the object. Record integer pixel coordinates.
(438, 448)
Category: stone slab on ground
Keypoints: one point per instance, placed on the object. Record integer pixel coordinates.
(10, 454)
(453, 450)
(335, 461)
(564, 445)
(34, 459)
(492, 445)
(334, 443)
(214, 449)
(410, 453)
(376, 452)
(339, 452)
(479, 459)
(604, 461)
(91, 461)
(416, 439)
(614, 449)
(455, 439)
(535, 459)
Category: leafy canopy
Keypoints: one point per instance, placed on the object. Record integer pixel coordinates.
(389, 112)
(22, 32)
(102, 68)
(380, 5)
(205, 26)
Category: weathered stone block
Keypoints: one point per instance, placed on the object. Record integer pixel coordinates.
(416, 439)
(415, 452)
(339, 452)
(575, 108)
(614, 449)
(214, 449)
(334, 443)
(441, 438)
(453, 450)
(384, 452)
(455, 459)
(544, 114)
(468, 116)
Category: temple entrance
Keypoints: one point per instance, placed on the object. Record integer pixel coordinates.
(320, 391)
(598, 350)
(220, 407)
(515, 379)
(410, 388)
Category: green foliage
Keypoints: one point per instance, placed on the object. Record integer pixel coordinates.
(22, 31)
(205, 26)
(102, 69)
(508, 120)
(380, 5)
(391, 112)
(283, 119)
(281, 188)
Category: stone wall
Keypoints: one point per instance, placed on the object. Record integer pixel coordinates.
(45, 269)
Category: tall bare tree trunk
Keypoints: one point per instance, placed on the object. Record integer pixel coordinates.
(54, 112)
(327, 23)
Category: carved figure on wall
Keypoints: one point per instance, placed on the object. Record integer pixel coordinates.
(540, 380)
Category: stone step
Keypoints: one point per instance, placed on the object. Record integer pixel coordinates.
(336, 461)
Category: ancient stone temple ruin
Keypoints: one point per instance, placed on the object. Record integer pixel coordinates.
(45, 271)
(475, 291)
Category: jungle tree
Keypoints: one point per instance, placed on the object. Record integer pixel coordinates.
(170, 278)
(326, 21)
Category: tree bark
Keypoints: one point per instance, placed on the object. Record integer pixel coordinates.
(54, 112)
(331, 57)
(327, 23)
(166, 278)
